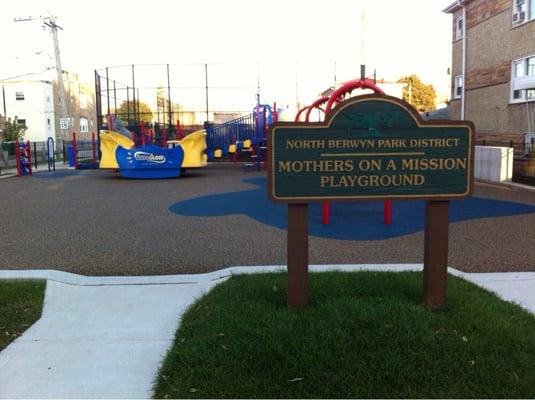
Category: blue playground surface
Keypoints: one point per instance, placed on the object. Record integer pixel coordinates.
(349, 221)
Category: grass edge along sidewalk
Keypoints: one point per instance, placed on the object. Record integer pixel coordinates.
(364, 335)
(21, 304)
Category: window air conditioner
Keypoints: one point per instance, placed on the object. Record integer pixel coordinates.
(519, 17)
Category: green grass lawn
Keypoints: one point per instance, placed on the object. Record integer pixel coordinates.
(364, 335)
(21, 302)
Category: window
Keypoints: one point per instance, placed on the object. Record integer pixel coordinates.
(523, 79)
(530, 65)
(459, 27)
(83, 101)
(19, 95)
(523, 11)
(84, 126)
(48, 122)
(458, 91)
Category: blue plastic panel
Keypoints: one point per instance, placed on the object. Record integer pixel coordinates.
(150, 162)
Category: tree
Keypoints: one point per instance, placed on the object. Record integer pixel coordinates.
(142, 112)
(13, 130)
(420, 95)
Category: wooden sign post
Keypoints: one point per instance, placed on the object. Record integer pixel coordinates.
(371, 147)
(297, 252)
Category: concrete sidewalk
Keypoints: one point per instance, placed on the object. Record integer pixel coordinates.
(105, 337)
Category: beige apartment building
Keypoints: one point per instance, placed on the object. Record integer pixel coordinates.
(493, 65)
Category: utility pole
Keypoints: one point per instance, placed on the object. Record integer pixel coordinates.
(362, 43)
(64, 119)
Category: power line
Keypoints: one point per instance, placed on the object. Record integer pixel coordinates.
(28, 74)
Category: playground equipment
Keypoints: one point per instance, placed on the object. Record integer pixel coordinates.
(51, 154)
(317, 104)
(24, 158)
(194, 146)
(82, 154)
(122, 90)
(336, 97)
(109, 142)
(244, 135)
(150, 161)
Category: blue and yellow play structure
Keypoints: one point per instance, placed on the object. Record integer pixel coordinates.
(150, 161)
(238, 139)
(246, 134)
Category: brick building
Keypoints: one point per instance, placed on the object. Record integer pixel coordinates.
(493, 65)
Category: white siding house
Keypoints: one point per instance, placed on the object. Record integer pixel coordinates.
(32, 102)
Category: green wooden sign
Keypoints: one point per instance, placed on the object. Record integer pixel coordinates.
(370, 147)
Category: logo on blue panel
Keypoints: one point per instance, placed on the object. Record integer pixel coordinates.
(149, 157)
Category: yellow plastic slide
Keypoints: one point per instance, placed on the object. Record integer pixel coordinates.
(109, 141)
(194, 146)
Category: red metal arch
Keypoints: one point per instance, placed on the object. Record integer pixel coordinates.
(316, 104)
(301, 111)
(347, 88)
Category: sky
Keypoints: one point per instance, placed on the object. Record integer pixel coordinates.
(295, 48)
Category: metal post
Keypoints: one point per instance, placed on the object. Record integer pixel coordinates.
(94, 147)
(128, 105)
(108, 90)
(114, 99)
(387, 211)
(169, 99)
(325, 212)
(206, 82)
(136, 106)
(74, 150)
(29, 150)
(142, 133)
(264, 121)
(98, 101)
(48, 153)
(297, 255)
(49, 147)
(35, 154)
(17, 157)
(134, 93)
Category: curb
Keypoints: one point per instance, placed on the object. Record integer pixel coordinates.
(516, 287)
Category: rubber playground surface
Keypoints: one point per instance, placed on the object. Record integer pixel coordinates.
(96, 223)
